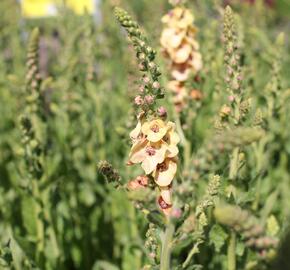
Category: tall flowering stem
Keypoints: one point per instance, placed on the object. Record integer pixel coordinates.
(154, 140)
(182, 50)
(31, 122)
(149, 89)
(231, 114)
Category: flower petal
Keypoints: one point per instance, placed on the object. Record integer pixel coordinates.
(136, 131)
(165, 193)
(164, 177)
(182, 54)
(138, 151)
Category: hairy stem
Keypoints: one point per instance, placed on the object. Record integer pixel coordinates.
(39, 224)
(234, 165)
(232, 252)
(166, 247)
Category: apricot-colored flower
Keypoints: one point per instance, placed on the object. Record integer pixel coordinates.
(155, 130)
(171, 39)
(165, 172)
(181, 54)
(196, 94)
(196, 61)
(148, 154)
(172, 139)
(179, 44)
(139, 182)
(178, 17)
(135, 134)
(165, 208)
(180, 72)
(166, 194)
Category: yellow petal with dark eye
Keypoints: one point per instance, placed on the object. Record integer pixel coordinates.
(165, 176)
(165, 193)
(138, 152)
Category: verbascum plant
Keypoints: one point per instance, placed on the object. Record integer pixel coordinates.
(33, 148)
(154, 140)
(181, 48)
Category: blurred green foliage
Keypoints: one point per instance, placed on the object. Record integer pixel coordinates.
(69, 217)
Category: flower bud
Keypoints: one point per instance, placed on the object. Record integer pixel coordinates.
(156, 85)
(142, 56)
(225, 111)
(149, 99)
(196, 94)
(146, 79)
(176, 213)
(151, 65)
(142, 67)
(162, 112)
(138, 100)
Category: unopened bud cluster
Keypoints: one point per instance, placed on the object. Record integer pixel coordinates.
(151, 243)
(33, 79)
(32, 148)
(232, 59)
(150, 88)
(208, 199)
(110, 174)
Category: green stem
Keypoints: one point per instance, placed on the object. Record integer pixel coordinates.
(234, 165)
(193, 251)
(232, 252)
(100, 128)
(39, 223)
(166, 247)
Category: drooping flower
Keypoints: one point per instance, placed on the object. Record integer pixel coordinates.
(139, 182)
(172, 139)
(165, 172)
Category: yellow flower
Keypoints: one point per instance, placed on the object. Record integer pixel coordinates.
(171, 38)
(180, 72)
(196, 61)
(165, 172)
(165, 201)
(178, 17)
(165, 193)
(135, 133)
(181, 54)
(172, 139)
(155, 130)
(148, 154)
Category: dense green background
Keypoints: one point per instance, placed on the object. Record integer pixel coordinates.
(90, 78)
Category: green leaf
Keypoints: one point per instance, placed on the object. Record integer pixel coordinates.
(27, 246)
(29, 217)
(240, 248)
(156, 218)
(104, 265)
(218, 236)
